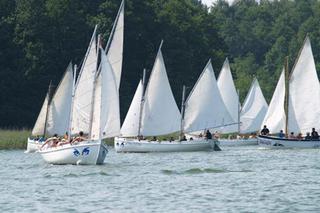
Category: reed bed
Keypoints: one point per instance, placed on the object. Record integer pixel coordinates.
(13, 139)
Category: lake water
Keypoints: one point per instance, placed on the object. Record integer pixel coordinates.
(246, 179)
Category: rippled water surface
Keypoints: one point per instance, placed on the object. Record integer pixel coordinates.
(246, 179)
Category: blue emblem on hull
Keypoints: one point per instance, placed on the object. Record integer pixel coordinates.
(76, 153)
(85, 151)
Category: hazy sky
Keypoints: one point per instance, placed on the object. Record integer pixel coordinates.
(209, 2)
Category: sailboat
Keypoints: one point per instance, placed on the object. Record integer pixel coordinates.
(155, 112)
(295, 103)
(95, 101)
(251, 116)
(54, 114)
(245, 120)
(253, 110)
(230, 98)
(95, 111)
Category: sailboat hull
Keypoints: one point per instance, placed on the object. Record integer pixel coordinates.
(134, 145)
(238, 142)
(84, 153)
(272, 142)
(33, 145)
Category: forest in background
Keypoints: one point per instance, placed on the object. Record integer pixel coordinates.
(38, 38)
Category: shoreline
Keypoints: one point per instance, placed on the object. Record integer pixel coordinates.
(13, 139)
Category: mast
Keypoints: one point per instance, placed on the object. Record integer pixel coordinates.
(239, 110)
(141, 102)
(72, 99)
(114, 27)
(94, 88)
(49, 94)
(286, 94)
(182, 110)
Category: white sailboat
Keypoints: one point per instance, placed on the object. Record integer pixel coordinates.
(230, 98)
(55, 112)
(95, 111)
(253, 110)
(155, 112)
(299, 101)
(251, 116)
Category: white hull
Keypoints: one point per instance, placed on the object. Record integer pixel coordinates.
(33, 145)
(134, 145)
(272, 142)
(238, 142)
(83, 153)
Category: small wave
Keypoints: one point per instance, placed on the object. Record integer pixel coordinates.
(87, 174)
(193, 171)
(206, 170)
(70, 175)
(169, 172)
(103, 173)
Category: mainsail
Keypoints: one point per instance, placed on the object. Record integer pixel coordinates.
(114, 46)
(229, 96)
(82, 103)
(275, 118)
(304, 93)
(204, 108)
(60, 105)
(130, 126)
(106, 115)
(160, 113)
(254, 109)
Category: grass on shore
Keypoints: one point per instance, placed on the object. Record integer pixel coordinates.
(14, 139)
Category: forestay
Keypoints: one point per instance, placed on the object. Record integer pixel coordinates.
(130, 126)
(304, 93)
(114, 47)
(160, 114)
(229, 96)
(60, 105)
(275, 118)
(82, 103)
(106, 115)
(204, 107)
(254, 109)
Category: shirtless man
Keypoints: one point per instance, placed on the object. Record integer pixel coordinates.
(51, 142)
(79, 138)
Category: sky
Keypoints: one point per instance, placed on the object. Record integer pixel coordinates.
(209, 2)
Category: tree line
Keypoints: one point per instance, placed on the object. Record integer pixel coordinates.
(38, 38)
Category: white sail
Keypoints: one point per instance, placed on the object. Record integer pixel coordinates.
(304, 93)
(160, 112)
(82, 103)
(131, 122)
(39, 126)
(60, 105)
(229, 96)
(275, 118)
(106, 116)
(254, 109)
(204, 108)
(115, 45)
